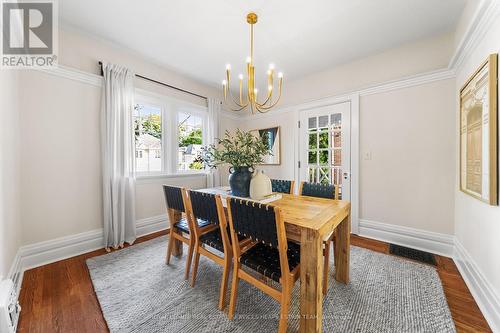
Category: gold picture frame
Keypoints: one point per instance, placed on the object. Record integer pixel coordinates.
(274, 137)
(478, 133)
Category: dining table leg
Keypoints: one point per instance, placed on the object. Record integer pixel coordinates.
(343, 250)
(311, 281)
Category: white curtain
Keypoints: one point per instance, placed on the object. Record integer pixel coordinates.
(117, 142)
(214, 107)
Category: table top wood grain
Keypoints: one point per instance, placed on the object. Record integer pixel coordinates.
(302, 211)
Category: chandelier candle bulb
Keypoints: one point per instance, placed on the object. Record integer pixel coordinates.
(251, 94)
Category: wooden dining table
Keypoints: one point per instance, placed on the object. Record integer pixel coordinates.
(310, 221)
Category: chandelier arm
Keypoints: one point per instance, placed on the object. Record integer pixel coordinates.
(263, 107)
(262, 110)
(269, 95)
(234, 100)
(238, 109)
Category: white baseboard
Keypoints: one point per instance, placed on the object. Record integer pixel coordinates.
(482, 291)
(432, 242)
(43, 253)
(151, 224)
(16, 272)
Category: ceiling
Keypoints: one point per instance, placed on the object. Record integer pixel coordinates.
(198, 37)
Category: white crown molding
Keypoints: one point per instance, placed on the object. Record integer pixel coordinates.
(73, 74)
(428, 241)
(409, 81)
(482, 291)
(483, 18)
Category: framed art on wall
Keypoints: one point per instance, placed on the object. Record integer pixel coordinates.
(479, 133)
(273, 140)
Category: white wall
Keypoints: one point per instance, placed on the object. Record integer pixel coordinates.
(60, 149)
(410, 135)
(10, 228)
(477, 225)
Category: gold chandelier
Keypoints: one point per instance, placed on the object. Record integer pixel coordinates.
(251, 98)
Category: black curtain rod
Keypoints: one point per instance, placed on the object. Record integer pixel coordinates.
(162, 83)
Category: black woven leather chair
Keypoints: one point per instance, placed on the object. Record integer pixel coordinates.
(271, 254)
(282, 186)
(326, 191)
(317, 190)
(179, 226)
(208, 207)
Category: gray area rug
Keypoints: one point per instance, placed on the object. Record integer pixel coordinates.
(139, 293)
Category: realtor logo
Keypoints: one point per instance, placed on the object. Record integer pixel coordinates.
(29, 34)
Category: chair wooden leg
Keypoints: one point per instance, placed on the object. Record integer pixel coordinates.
(170, 245)
(285, 307)
(326, 268)
(223, 285)
(234, 291)
(189, 259)
(196, 262)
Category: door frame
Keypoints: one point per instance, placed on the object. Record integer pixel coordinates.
(354, 149)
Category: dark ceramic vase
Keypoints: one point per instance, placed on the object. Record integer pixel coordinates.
(239, 181)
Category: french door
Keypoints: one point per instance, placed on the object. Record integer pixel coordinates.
(325, 146)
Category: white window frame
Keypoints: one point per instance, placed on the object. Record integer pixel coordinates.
(170, 109)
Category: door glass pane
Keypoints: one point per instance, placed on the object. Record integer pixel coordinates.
(312, 123)
(313, 140)
(337, 157)
(336, 139)
(323, 121)
(337, 179)
(313, 157)
(336, 120)
(323, 157)
(324, 175)
(323, 139)
(312, 175)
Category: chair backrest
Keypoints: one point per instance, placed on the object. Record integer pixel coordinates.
(173, 197)
(253, 220)
(204, 206)
(327, 191)
(282, 186)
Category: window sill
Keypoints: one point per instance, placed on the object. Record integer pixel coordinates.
(160, 176)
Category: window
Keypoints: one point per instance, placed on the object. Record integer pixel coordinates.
(190, 142)
(168, 135)
(148, 138)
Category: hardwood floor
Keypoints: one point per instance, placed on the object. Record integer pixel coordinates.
(59, 297)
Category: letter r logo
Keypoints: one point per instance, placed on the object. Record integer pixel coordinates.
(28, 27)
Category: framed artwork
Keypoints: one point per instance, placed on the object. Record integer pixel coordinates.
(273, 139)
(479, 133)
